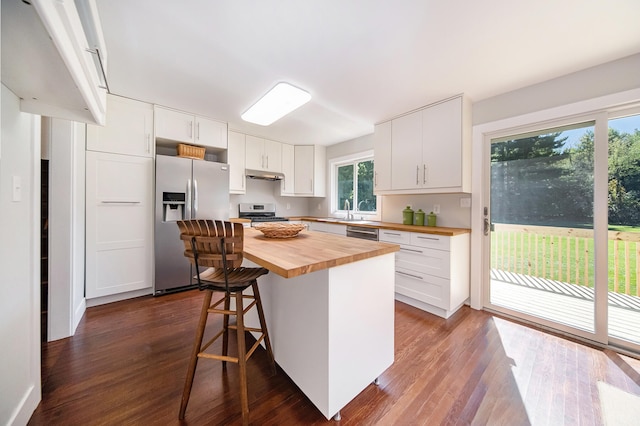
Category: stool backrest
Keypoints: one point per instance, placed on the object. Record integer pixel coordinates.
(207, 236)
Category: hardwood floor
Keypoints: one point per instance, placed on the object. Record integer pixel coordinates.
(127, 362)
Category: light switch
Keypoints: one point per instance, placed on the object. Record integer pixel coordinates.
(17, 188)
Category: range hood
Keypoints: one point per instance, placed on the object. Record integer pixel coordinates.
(261, 174)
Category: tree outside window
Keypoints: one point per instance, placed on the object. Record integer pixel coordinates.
(355, 184)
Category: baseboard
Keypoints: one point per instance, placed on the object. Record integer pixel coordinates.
(27, 406)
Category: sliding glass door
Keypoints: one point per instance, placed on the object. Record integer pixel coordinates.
(542, 227)
(624, 231)
(563, 227)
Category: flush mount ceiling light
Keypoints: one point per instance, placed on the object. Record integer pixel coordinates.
(277, 103)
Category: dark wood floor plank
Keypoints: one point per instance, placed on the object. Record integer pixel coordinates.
(127, 362)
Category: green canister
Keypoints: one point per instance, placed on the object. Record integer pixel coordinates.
(431, 219)
(419, 217)
(407, 216)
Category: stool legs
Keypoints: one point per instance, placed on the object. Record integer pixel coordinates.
(225, 327)
(186, 393)
(242, 358)
(263, 326)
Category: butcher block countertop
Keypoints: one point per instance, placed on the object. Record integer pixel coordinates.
(309, 251)
(435, 230)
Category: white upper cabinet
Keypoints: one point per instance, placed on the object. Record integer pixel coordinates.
(406, 151)
(310, 170)
(184, 127)
(263, 154)
(288, 169)
(210, 133)
(236, 160)
(46, 59)
(430, 150)
(128, 130)
(382, 157)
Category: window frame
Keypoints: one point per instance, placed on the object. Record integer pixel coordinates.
(353, 159)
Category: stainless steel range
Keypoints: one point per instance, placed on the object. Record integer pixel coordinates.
(265, 212)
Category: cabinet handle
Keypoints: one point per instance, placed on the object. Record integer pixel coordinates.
(424, 174)
(198, 131)
(375, 179)
(411, 250)
(148, 143)
(120, 202)
(391, 233)
(428, 238)
(267, 161)
(191, 130)
(418, 277)
(417, 173)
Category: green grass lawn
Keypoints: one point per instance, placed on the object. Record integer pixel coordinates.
(521, 256)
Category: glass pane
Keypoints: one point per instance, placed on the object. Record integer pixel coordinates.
(365, 197)
(542, 260)
(345, 186)
(624, 228)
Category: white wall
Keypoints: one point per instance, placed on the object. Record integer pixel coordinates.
(19, 262)
(612, 77)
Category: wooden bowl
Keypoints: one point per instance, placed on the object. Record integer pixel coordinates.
(279, 229)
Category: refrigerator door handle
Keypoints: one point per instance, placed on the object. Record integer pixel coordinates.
(188, 213)
(195, 199)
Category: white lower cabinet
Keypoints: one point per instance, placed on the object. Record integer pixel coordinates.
(432, 271)
(331, 228)
(119, 225)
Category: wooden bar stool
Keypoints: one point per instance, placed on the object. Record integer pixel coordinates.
(217, 245)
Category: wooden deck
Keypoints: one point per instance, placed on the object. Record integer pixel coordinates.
(568, 304)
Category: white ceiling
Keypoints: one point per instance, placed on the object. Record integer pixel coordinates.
(363, 61)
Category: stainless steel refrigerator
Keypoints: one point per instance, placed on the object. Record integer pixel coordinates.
(185, 189)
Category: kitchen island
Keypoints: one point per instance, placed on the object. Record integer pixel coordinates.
(329, 306)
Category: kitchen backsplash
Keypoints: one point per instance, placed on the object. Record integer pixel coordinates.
(263, 191)
(451, 213)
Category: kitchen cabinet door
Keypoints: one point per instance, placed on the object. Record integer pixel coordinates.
(442, 144)
(288, 169)
(119, 224)
(382, 156)
(236, 160)
(263, 154)
(273, 156)
(254, 158)
(174, 125)
(303, 181)
(128, 129)
(210, 133)
(406, 151)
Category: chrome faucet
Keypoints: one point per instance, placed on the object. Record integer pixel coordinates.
(347, 207)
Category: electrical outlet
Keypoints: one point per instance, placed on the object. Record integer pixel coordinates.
(465, 202)
(288, 206)
(436, 208)
(319, 206)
